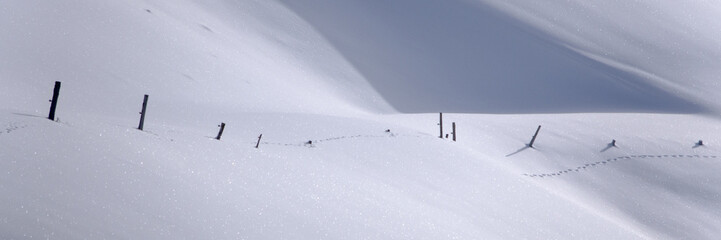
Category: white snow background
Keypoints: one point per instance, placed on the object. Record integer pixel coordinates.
(339, 73)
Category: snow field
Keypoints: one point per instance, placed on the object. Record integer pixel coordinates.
(296, 72)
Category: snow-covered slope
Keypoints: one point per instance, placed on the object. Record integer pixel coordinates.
(496, 56)
(187, 55)
(83, 178)
(299, 71)
(356, 182)
(671, 45)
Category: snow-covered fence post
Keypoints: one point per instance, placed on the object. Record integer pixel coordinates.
(454, 131)
(54, 101)
(220, 133)
(534, 136)
(441, 125)
(142, 113)
(258, 143)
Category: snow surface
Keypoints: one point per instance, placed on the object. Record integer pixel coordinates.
(338, 73)
(529, 57)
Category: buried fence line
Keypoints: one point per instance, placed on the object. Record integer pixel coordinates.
(440, 124)
(257, 144)
(454, 131)
(533, 140)
(142, 112)
(54, 101)
(220, 133)
(56, 93)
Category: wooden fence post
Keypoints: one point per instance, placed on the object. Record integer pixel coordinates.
(441, 125)
(142, 113)
(454, 131)
(54, 101)
(258, 143)
(534, 136)
(220, 133)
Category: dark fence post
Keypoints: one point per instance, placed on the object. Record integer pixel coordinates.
(258, 143)
(534, 136)
(454, 131)
(54, 101)
(220, 133)
(142, 113)
(441, 125)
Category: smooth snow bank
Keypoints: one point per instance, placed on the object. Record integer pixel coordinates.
(189, 56)
(528, 57)
(101, 178)
(260, 68)
(670, 44)
(657, 182)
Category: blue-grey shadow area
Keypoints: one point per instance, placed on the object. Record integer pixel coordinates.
(456, 56)
(519, 150)
(608, 147)
(29, 115)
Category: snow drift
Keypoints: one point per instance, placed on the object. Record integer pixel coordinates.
(469, 56)
(187, 55)
(332, 73)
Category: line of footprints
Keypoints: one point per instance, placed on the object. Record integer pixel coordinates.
(607, 161)
(310, 143)
(12, 127)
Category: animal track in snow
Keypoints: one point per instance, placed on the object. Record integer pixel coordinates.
(607, 161)
(313, 142)
(11, 127)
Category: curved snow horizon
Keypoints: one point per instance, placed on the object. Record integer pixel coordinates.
(490, 56)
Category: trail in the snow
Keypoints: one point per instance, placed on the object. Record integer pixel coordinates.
(11, 127)
(588, 166)
(311, 143)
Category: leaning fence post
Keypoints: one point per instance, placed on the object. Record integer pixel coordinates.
(220, 133)
(258, 143)
(454, 131)
(534, 136)
(142, 113)
(54, 101)
(441, 125)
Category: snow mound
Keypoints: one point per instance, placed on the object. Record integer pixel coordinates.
(491, 56)
(332, 163)
(192, 58)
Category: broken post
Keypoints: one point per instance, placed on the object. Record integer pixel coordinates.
(258, 143)
(441, 125)
(454, 131)
(534, 136)
(142, 113)
(220, 133)
(54, 101)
